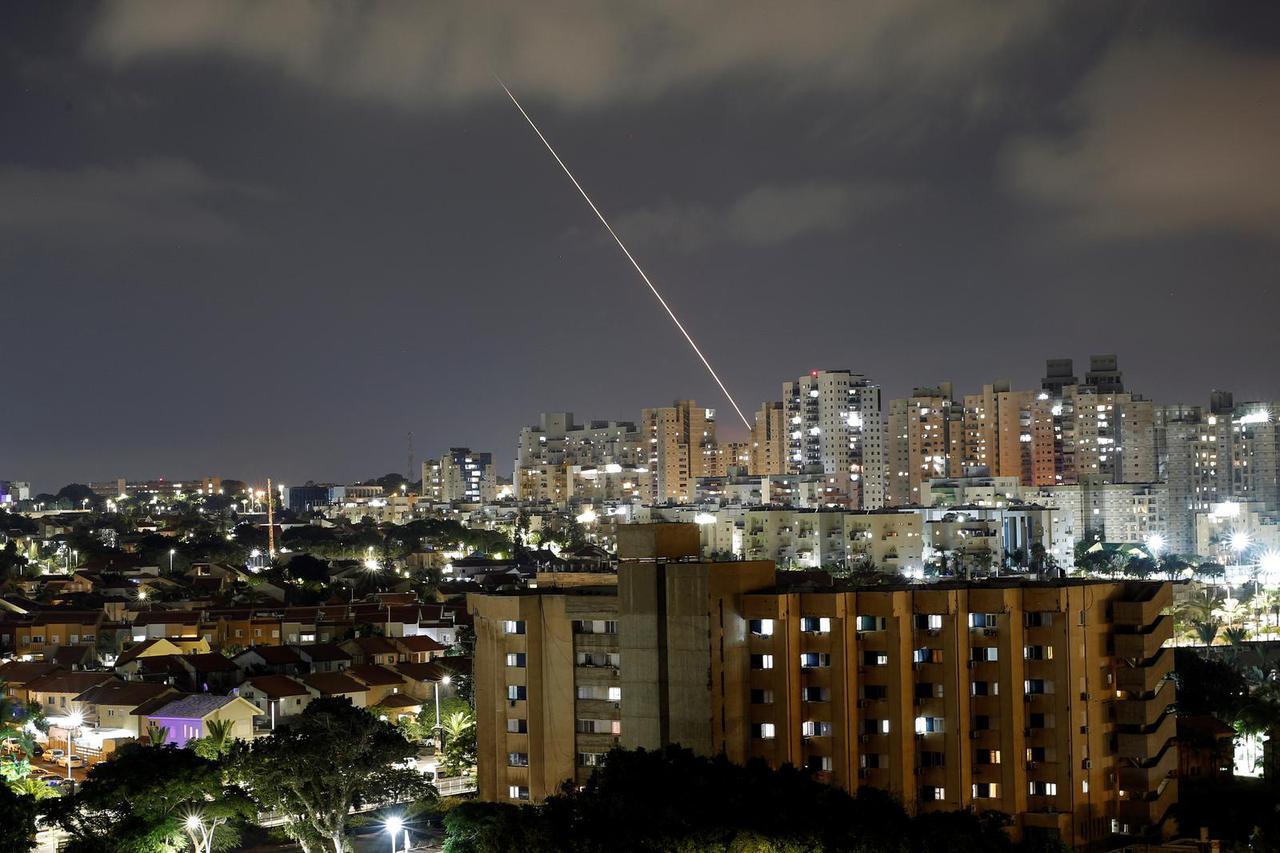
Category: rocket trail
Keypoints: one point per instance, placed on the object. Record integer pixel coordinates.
(626, 252)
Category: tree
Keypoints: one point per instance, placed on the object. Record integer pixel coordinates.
(1207, 630)
(140, 800)
(77, 494)
(217, 743)
(17, 820)
(157, 735)
(14, 720)
(673, 800)
(460, 749)
(333, 757)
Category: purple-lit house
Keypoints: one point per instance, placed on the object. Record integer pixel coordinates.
(187, 717)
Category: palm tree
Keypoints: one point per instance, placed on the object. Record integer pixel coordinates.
(1207, 630)
(32, 788)
(456, 724)
(1235, 636)
(217, 740)
(156, 734)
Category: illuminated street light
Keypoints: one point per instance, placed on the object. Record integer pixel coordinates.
(1239, 541)
(201, 835)
(393, 826)
(1155, 544)
(172, 551)
(74, 721)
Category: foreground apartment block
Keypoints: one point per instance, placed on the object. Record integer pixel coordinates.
(1048, 701)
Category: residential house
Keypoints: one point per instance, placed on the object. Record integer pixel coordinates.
(421, 679)
(275, 660)
(325, 684)
(173, 625)
(111, 704)
(278, 696)
(187, 717)
(210, 673)
(417, 649)
(50, 629)
(325, 657)
(15, 675)
(380, 681)
(57, 692)
(375, 650)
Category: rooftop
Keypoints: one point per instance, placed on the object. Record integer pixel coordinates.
(195, 706)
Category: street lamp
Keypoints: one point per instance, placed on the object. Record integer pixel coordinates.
(393, 825)
(439, 729)
(74, 721)
(201, 835)
(172, 551)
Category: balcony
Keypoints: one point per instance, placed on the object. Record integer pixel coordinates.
(1142, 680)
(596, 642)
(1142, 746)
(1139, 779)
(1139, 614)
(1137, 809)
(1144, 646)
(1145, 712)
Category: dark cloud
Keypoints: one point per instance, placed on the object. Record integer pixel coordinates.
(148, 201)
(413, 53)
(1169, 137)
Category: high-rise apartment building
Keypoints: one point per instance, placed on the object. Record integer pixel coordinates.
(681, 448)
(460, 476)
(925, 439)
(769, 441)
(835, 427)
(1229, 452)
(1048, 701)
(546, 453)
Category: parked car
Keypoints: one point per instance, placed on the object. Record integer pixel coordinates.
(53, 780)
(55, 754)
(75, 760)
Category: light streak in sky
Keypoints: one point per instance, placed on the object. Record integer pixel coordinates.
(626, 252)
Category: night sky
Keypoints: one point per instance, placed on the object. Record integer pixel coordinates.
(244, 238)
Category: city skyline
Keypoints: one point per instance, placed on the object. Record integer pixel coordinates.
(725, 433)
(262, 254)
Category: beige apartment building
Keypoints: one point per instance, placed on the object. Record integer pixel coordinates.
(769, 441)
(682, 448)
(1048, 701)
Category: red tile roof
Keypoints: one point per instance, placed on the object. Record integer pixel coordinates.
(332, 683)
(276, 686)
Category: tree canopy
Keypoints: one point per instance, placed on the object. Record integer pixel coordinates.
(139, 801)
(674, 800)
(331, 758)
